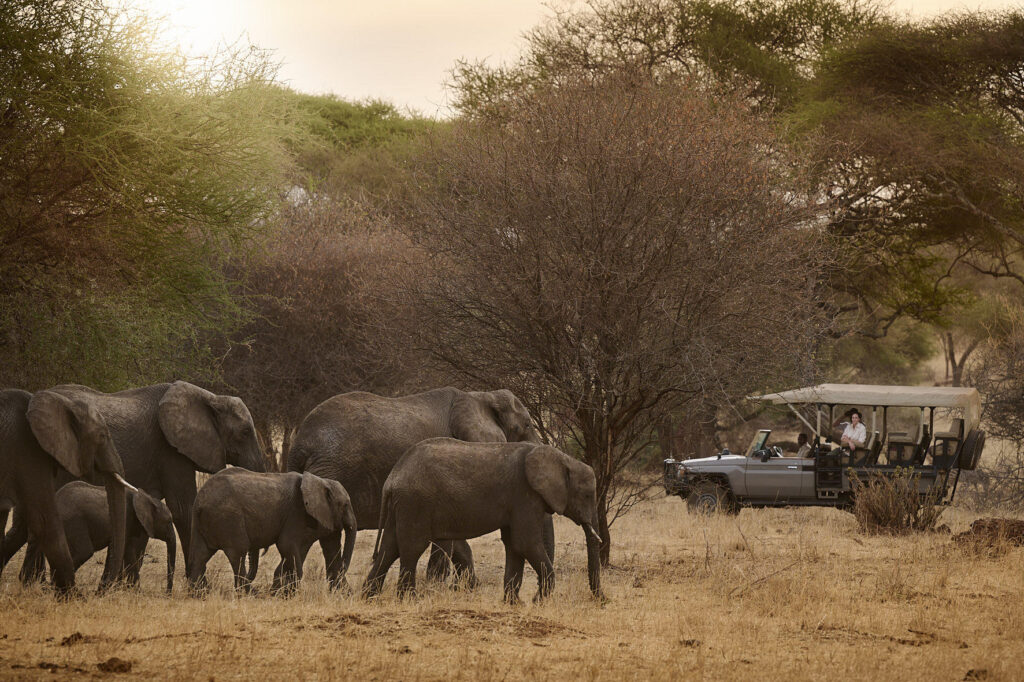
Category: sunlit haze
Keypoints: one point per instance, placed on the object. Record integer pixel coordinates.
(396, 50)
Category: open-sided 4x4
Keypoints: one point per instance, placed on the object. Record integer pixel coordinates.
(763, 477)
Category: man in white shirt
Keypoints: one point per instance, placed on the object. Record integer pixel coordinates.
(803, 447)
(855, 435)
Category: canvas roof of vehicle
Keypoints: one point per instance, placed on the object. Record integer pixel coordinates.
(967, 399)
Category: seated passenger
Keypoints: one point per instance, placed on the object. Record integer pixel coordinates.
(855, 435)
(803, 447)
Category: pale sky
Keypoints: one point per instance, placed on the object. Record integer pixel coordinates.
(395, 50)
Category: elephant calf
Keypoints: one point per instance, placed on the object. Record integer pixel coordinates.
(239, 512)
(82, 509)
(447, 489)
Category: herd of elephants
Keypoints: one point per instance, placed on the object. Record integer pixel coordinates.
(83, 470)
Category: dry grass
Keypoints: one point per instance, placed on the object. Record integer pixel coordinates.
(768, 595)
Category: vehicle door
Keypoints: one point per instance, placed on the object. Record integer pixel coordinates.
(780, 478)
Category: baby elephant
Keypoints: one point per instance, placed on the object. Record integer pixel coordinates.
(447, 489)
(84, 515)
(240, 511)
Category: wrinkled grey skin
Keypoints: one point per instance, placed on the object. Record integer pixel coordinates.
(356, 439)
(83, 513)
(164, 434)
(242, 512)
(40, 435)
(445, 489)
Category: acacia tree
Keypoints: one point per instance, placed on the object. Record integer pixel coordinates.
(612, 248)
(998, 373)
(917, 126)
(126, 173)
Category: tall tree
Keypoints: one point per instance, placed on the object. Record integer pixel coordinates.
(611, 248)
(916, 126)
(127, 173)
(324, 294)
(930, 179)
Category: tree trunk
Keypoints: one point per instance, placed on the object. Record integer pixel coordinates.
(958, 365)
(602, 529)
(286, 444)
(666, 438)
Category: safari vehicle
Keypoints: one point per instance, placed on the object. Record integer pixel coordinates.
(763, 476)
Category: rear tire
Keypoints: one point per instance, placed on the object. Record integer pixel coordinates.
(711, 498)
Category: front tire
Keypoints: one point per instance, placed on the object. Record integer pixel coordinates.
(711, 498)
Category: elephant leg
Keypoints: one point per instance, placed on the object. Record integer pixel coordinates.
(237, 561)
(386, 555)
(439, 561)
(134, 554)
(180, 502)
(331, 546)
(275, 585)
(410, 549)
(254, 567)
(289, 571)
(407, 574)
(33, 559)
(45, 526)
(462, 560)
(286, 575)
(195, 566)
(514, 562)
(33, 566)
(538, 557)
(549, 536)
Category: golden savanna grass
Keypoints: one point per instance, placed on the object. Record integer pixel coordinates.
(784, 594)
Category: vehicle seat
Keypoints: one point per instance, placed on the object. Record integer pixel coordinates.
(901, 451)
(947, 444)
(921, 451)
(876, 449)
(861, 457)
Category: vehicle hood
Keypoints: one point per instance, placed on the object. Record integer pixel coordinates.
(712, 461)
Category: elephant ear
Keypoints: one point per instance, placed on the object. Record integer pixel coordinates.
(316, 497)
(473, 419)
(547, 473)
(340, 503)
(146, 509)
(188, 422)
(54, 423)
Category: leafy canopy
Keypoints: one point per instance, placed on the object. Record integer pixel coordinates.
(127, 172)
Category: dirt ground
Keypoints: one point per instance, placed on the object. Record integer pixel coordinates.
(787, 594)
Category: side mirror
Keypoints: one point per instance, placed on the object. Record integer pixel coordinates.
(766, 456)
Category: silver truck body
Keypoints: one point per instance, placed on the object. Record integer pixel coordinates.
(764, 477)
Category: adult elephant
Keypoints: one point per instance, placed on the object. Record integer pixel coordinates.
(165, 433)
(449, 489)
(38, 433)
(356, 439)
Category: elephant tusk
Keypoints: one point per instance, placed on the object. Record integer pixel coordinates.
(593, 534)
(125, 483)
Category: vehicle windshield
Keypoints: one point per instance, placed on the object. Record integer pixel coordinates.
(760, 438)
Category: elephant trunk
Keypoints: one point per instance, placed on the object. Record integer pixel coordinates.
(253, 459)
(116, 505)
(593, 559)
(350, 540)
(172, 553)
